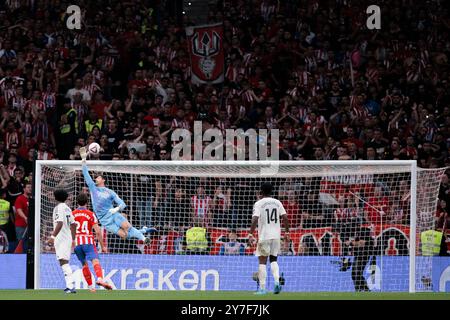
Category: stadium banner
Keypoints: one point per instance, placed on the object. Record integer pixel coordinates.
(205, 45)
(392, 239)
(13, 271)
(176, 272)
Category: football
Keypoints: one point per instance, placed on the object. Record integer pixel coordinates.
(94, 148)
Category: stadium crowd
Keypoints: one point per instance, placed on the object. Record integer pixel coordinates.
(310, 68)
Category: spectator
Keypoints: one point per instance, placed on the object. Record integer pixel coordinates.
(377, 206)
(221, 207)
(293, 210)
(179, 210)
(4, 244)
(197, 240)
(92, 122)
(21, 208)
(78, 90)
(5, 213)
(232, 246)
(201, 206)
(113, 135)
(286, 248)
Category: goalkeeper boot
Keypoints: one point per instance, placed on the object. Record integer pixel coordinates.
(277, 288)
(92, 289)
(146, 229)
(261, 292)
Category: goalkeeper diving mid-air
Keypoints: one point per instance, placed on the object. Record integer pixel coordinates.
(108, 215)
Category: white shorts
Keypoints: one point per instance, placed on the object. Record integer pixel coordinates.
(63, 250)
(267, 248)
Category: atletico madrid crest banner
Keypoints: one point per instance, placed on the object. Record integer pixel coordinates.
(206, 52)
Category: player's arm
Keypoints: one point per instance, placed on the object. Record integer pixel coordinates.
(254, 225)
(73, 230)
(56, 231)
(285, 221)
(87, 177)
(121, 204)
(22, 214)
(255, 218)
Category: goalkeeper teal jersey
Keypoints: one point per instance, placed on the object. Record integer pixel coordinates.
(102, 198)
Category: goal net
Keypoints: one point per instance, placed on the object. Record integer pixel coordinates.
(330, 205)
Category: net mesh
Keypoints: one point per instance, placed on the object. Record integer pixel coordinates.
(327, 207)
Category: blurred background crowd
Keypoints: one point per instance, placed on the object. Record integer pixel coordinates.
(309, 68)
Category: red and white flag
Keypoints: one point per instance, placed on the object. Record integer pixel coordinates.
(206, 52)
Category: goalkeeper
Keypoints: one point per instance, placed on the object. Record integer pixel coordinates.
(102, 203)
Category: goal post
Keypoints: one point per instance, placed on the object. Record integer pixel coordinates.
(327, 202)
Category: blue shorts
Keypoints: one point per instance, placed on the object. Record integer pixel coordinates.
(113, 222)
(86, 252)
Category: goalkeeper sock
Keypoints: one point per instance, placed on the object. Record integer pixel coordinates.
(275, 271)
(98, 271)
(67, 270)
(135, 233)
(87, 275)
(262, 274)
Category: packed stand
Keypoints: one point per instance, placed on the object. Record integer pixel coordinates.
(334, 89)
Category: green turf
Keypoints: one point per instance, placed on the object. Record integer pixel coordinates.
(210, 295)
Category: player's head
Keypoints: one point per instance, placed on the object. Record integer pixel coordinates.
(232, 236)
(266, 189)
(82, 199)
(99, 181)
(61, 195)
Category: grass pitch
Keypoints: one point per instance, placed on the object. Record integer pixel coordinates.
(210, 295)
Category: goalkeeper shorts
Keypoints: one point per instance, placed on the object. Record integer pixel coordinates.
(267, 248)
(113, 222)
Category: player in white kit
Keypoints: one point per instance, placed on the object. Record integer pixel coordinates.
(64, 231)
(267, 216)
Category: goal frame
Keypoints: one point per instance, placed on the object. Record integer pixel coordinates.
(133, 163)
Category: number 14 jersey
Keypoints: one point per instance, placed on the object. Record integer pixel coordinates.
(269, 212)
(62, 213)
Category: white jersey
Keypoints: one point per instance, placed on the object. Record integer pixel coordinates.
(269, 212)
(63, 213)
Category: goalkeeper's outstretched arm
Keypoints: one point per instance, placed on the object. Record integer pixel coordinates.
(86, 175)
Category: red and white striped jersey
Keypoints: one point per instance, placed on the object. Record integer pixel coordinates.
(18, 103)
(232, 72)
(91, 88)
(372, 74)
(302, 78)
(321, 55)
(32, 104)
(9, 93)
(345, 213)
(200, 205)
(183, 124)
(85, 220)
(49, 100)
(108, 62)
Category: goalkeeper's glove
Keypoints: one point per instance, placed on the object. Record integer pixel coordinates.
(114, 210)
(83, 153)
